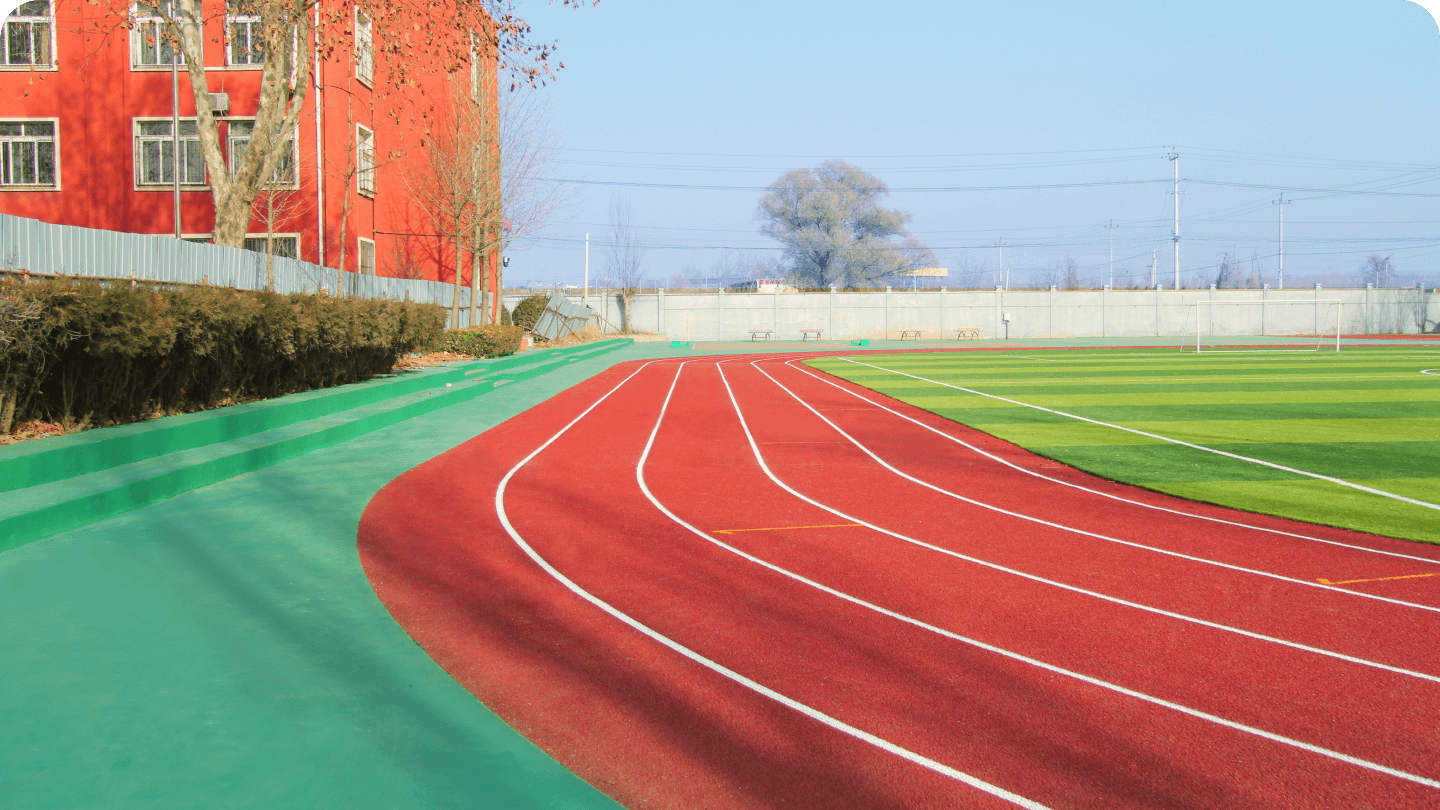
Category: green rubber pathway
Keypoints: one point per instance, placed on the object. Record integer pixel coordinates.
(224, 649)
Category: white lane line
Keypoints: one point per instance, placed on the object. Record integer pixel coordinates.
(1111, 496)
(1261, 462)
(1434, 372)
(1106, 597)
(1315, 749)
(1096, 594)
(1096, 535)
(814, 714)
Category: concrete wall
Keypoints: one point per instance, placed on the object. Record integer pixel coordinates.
(1031, 313)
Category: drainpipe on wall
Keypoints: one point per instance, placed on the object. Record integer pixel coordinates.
(319, 151)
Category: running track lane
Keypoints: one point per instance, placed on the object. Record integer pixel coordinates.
(1250, 680)
(650, 729)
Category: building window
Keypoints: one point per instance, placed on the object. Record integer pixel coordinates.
(149, 45)
(28, 154)
(367, 256)
(246, 33)
(155, 154)
(29, 36)
(364, 48)
(365, 160)
(240, 133)
(286, 246)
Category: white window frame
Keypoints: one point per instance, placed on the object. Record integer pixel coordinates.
(31, 21)
(186, 145)
(365, 160)
(364, 48)
(278, 235)
(252, 26)
(147, 25)
(360, 244)
(277, 181)
(7, 155)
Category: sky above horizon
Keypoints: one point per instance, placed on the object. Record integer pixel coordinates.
(691, 109)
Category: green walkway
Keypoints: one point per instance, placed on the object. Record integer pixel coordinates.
(223, 649)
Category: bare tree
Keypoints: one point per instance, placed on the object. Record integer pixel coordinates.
(970, 274)
(1045, 277)
(1229, 270)
(1380, 268)
(626, 261)
(289, 36)
(450, 179)
(279, 202)
(1072, 273)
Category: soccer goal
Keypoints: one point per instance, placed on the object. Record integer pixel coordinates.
(1300, 320)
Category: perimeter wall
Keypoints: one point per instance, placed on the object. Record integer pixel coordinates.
(1027, 313)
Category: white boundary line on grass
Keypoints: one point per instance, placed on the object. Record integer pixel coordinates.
(1434, 372)
(1111, 496)
(640, 477)
(1196, 713)
(1261, 462)
(814, 714)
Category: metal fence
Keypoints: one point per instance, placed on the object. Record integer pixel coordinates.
(39, 247)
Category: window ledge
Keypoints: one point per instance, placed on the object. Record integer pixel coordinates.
(29, 188)
(171, 188)
(29, 68)
(366, 193)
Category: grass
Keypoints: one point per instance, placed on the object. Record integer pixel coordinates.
(1366, 416)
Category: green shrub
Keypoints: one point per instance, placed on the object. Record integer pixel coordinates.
(505, 319)
(489, 340)
(108, 352)
(527, 312)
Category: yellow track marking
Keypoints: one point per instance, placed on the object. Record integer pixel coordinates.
(1377, 579)
(782, 528)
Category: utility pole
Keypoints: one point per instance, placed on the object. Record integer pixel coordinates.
(1154, 254)
(1111, 229)
(1281, 202)
(1175, 156)
(585, 294)
(1000, 276)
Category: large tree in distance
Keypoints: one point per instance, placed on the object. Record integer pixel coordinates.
(834, 230)
(410, 38)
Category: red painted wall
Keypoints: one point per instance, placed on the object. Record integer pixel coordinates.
(96, 94)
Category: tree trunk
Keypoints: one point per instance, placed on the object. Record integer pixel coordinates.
(455, 295)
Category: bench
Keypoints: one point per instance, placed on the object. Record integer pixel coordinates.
(911, 334)
(758, 334)
(806, 333)
(967, 332)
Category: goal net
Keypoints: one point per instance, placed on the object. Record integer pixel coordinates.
(1275, 325)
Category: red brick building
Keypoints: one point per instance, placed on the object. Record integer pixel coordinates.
(87, 136)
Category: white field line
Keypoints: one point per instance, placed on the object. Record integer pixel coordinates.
(1083, 591)
(1096, 535)
(814, 714)
(1315, 749)
(1434, 372)
(1111, 496)
(1261, 462)
(1271, 378)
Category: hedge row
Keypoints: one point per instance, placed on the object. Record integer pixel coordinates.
(82, 351)
(489, 340)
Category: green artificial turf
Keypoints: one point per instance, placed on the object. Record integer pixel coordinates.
(1365, 416)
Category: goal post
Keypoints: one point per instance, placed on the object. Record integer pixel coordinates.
(1317, 318)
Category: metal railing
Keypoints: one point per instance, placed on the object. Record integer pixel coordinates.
(44, 249)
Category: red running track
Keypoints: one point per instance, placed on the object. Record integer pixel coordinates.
(748, 584)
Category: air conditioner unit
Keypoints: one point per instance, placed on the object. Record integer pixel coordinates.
(220, 102)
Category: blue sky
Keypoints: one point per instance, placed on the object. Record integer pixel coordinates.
(955, 95)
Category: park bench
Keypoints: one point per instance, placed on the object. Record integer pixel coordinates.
(806, 333)
(760, 334)
(911, 334)
(967, 332)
